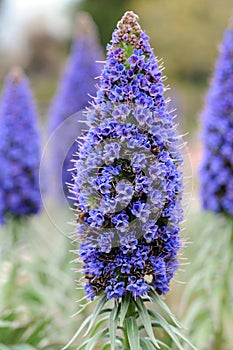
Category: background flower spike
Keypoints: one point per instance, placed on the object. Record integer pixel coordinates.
(216, 175)
(209, 292)
(19, 148)
(128, 186)
(72, 96)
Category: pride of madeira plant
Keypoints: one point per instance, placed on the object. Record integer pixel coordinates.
(128, 188)
(19, 149)
(210, 287)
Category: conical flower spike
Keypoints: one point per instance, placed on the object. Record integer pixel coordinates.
(128, 183)
(128, 188)
(216, 174)
(19, 148)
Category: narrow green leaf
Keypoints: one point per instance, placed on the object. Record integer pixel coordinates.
(182, 336)
(153, 323)
(146, 344)
(35, 334)
(90, 319)
(145, 318)
(92, 341)
(96, 313)
(132, 333)
(82, 308)
(124, 308)
(104, 311)
(99, 324)
(157, 300)
(86, 321)
(165, 346)
(113, 326)
(168, 328)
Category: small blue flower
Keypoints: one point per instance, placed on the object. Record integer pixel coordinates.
(121, 222)
(105, 242)
(137, 287)
(128, 242)
(141, 210)
(124, 192)
(89, 291)
(115, 290)
(95, 219)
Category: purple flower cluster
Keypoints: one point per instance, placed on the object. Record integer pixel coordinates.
(19, 149)
(216, 174)
(128, 183)
(78, 81)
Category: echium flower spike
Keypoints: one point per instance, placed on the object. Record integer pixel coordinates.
(128, 186)
(128, 182)
(73, 94)
(216, 175)
(19, 148)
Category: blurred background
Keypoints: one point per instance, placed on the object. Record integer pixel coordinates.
(36, 34)
(185, 34)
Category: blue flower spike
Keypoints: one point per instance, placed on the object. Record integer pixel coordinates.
(128, 189)
(216, 225)
(19, 149)
(216, 175)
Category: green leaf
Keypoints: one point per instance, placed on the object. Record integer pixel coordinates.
(146, 344)
(34, 337)
(99, 324)
(132, 333)
(157, 300)
(96, 313)
(81, 309)
(86, 321)
(113, 325)
(124, 307)
(145, 318)
(104, 311)
(182, 336)
(92, 341)
(169, 329)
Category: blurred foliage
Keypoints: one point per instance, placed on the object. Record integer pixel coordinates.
(37, 289)
(205, 303)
